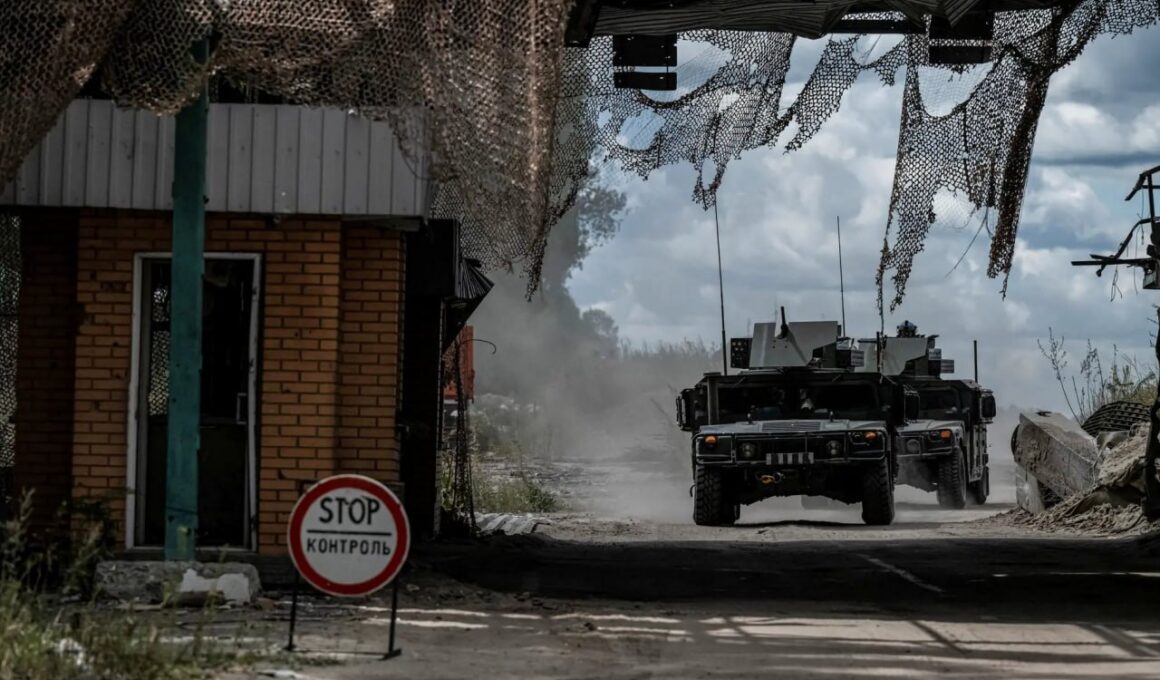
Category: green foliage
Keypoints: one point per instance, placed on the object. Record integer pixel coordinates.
(1095, 385)
(47, 640)
(94, 534)
(45, 636)
(517, 494)
(501, 483)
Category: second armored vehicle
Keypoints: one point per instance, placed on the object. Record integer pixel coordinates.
(943, 449)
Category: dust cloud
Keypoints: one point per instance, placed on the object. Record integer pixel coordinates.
(563, 400)
(566, 400)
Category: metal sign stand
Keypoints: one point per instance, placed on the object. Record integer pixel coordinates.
(392, 650)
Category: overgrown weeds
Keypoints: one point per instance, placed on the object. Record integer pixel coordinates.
(500, 478)
(51, 626)
(518, 493)
(1123, 379)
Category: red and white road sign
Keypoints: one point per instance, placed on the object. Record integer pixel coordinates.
(349, 535)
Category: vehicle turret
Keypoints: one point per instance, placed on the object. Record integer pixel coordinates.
(798, 344)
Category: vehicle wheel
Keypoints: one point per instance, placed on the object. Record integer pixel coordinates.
(711, 506)
(982, 488)
(952, 481)
(878, 495)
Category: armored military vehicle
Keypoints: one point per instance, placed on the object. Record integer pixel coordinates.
(944, 449)
(797, 419)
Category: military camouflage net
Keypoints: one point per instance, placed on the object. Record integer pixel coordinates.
(480, 84)
(9, 299)
(981, 149)
(472, 83)
(978, 150)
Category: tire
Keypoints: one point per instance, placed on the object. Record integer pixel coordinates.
(952, 481)
(981, 489)
(878, 495)
(711, 504)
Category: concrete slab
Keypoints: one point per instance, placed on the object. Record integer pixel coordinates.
(1056, 451)
(1028, 495)
(188, 583)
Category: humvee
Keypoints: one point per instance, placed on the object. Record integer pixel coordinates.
(798, 419)
(944, 449)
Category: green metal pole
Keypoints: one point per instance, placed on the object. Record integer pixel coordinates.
(189, 161)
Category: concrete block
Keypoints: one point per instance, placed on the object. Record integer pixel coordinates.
(178, 582)
(1056, 451)
(1028, 495)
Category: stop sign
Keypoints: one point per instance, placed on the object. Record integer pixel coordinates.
(349, 536)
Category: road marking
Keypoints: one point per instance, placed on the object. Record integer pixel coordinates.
(901, 572)
(1142, 574)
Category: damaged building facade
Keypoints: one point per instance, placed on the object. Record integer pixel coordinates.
(329, 299)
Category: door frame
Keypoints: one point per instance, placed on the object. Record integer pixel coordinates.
(133, 425)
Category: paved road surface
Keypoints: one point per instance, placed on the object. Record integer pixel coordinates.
(786, 599)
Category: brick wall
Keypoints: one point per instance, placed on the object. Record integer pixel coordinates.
(45, 363)
(320, 294)
(369, 350)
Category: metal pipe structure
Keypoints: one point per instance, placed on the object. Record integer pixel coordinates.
(188, 270)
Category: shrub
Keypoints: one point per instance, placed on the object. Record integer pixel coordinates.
(1094, 385)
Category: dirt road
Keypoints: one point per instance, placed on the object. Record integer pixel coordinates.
(821, 598)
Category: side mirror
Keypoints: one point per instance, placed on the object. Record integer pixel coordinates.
(911, 404)
(987, 407)
(685, 413)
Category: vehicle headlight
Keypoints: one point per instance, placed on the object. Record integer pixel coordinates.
(834, 447)
(913, 446)
(749, 450)
(940, 435)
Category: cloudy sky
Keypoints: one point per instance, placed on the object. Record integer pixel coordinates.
(658, 276)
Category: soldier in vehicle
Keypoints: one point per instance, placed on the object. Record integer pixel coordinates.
(806, 403)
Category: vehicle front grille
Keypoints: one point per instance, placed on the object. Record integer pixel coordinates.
(793, 426)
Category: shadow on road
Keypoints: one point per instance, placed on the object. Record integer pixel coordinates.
(1016, 579)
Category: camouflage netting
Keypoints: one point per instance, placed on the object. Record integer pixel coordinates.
(474, 83)
(477, 83)
(978, 148)
(9, 299)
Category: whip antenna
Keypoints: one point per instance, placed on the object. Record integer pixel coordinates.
(721, 288)
(841, 277)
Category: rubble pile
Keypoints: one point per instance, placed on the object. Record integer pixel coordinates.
(1122, 465)
(1084, 513)
(1112, 505)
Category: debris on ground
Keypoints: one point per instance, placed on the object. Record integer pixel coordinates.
(182, 583)
(1109, 506)
(510, 524)
(1079, 514)
(1122, 465)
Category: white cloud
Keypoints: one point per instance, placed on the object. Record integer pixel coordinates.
(658, 277)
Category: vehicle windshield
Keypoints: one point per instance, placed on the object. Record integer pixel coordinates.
(938, 403)
(843, 400)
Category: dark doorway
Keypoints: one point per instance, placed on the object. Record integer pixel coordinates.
(226, 460)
